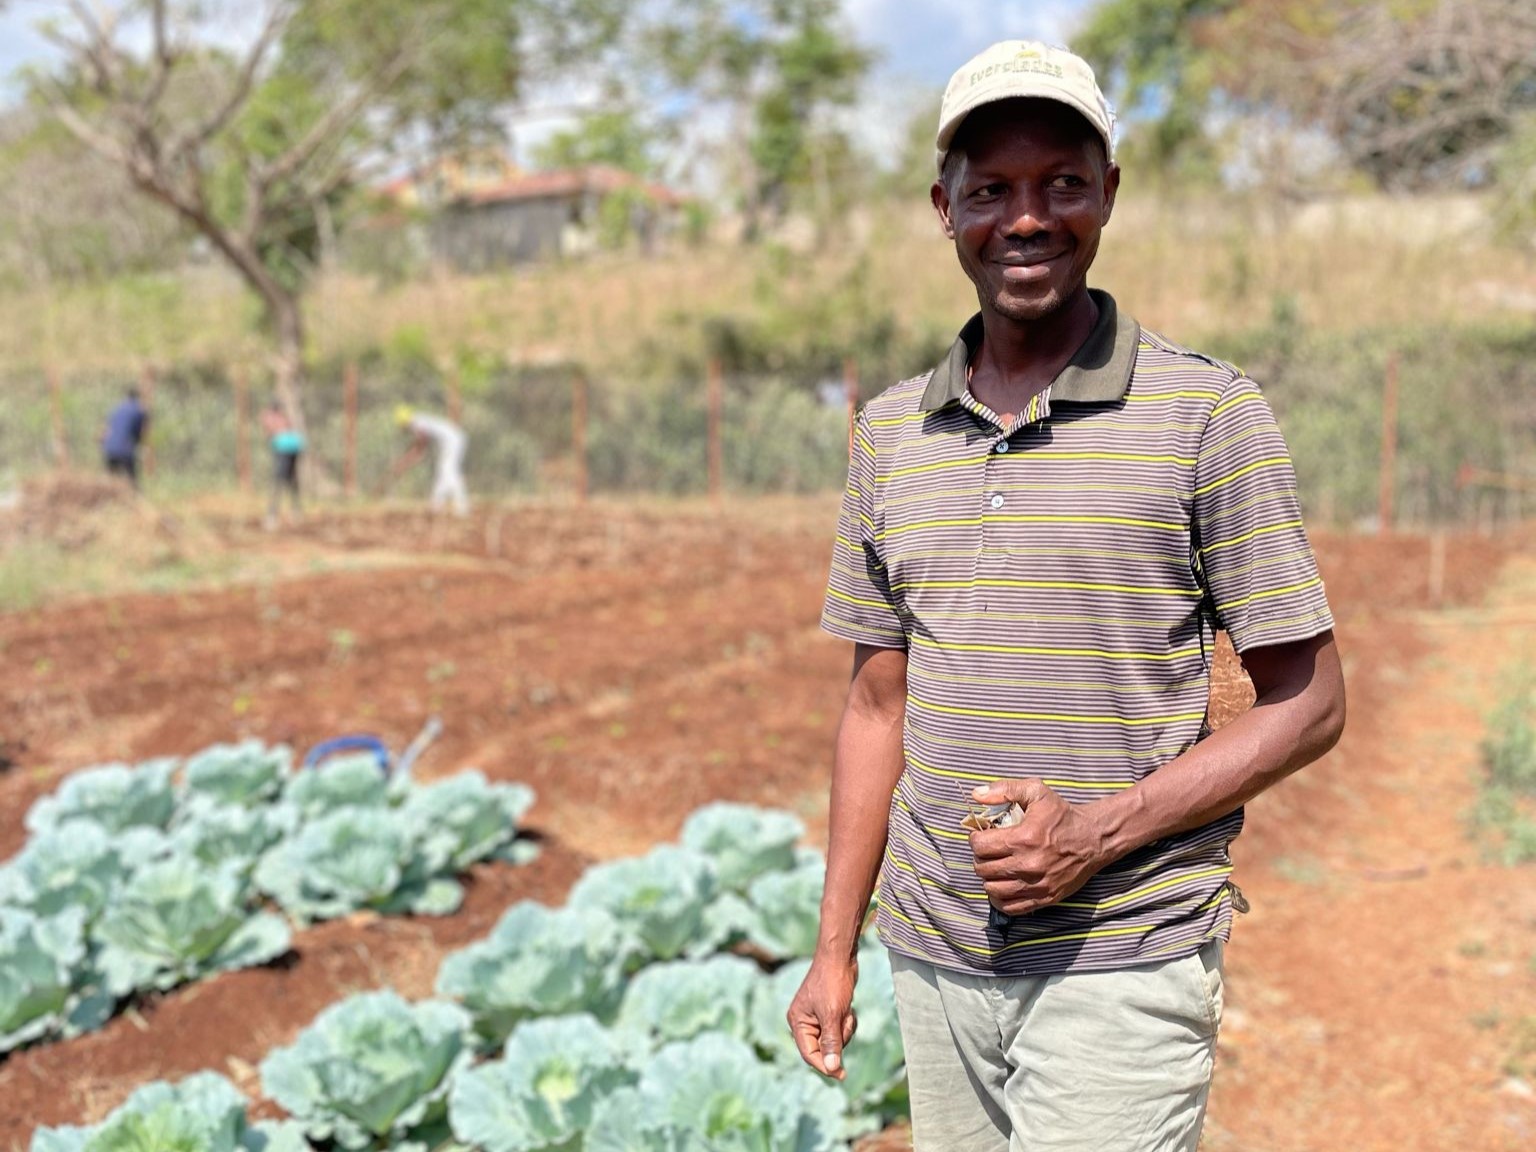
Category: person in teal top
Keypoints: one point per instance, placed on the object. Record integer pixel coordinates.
(287, 444)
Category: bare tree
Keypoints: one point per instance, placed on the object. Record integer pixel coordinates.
(250, 118)
(1413, 99)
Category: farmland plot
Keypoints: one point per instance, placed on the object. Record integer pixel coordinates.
(659, 667)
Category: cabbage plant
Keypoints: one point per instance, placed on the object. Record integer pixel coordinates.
(353, 858)
(218, 834)
(540, 1096)
(176, 920)
(114, 796)
(370, 1071)
(744, 841)
(661, 897)
(39, 957)
(345, 782)
(712, 1093)
(464, 818)
(782, 910)
(203, 1113)
(539, 961)
(875, 1079)
(79, 867)
(875, 1063)
(682, 998)
(242, 774)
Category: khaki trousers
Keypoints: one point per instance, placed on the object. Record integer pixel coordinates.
(1077, 1062)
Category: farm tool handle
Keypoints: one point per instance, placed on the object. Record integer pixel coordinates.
(353, 743)
(430, 731)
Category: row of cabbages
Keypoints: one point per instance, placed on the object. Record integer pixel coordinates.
(142, 878)
(613, 1024)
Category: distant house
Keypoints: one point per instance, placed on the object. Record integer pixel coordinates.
(480, 220)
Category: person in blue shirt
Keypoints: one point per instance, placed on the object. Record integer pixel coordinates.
(287, 444)
(122, 436)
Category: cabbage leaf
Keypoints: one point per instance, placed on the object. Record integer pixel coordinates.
(712, 1093)
(679, 999)
(203, 1113)
(370, 1069)
(539, 961)
(744, 841)
(176, 920)
(353, 858)
(661, 897)
(113, 796)
(242, 774)
(463, 819)
(541, 1094)
(39, 957)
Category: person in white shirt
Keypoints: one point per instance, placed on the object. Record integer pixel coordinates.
(447, 442)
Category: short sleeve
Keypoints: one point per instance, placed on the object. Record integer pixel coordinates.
(859, 605)
(1252, 553)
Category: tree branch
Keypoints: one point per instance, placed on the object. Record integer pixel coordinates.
(336, 122)
(245, 82)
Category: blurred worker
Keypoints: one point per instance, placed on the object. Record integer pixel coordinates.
(287, 444)
(124, 432)
(447, 442)
(1039, 540)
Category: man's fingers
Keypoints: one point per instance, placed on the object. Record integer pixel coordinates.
(820, 1047)
(1024, 792)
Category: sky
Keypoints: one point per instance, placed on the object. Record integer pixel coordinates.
(919, 42)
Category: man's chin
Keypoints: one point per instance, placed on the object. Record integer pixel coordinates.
(1027, 308)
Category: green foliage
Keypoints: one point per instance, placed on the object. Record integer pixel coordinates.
(778, 65)
(1504, 816)
(1326, 389)
(612, 136)
(1150, 62)
(1515, 206)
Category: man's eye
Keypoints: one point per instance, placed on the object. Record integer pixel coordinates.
(1067, 181)
(986, 191)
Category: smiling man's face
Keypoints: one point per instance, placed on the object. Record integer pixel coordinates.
(1027, 190)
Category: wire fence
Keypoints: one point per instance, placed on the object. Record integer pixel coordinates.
(1421, 433)
(539, 430)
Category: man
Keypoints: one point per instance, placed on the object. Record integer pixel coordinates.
(124, 432)
(1039, 540)
(448, 442)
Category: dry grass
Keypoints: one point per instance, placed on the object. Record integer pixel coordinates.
(1188, 269)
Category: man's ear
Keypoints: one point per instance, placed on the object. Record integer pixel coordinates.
(940, 197)
(1111, 186)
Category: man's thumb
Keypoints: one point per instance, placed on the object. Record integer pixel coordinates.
(1022, 792)
(831, 1053)
(831, 1045)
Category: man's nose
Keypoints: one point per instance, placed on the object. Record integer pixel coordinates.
(1027, 214)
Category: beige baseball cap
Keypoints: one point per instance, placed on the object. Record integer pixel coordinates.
(1027, 68)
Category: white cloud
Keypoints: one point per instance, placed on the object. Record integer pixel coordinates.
(922, 42)
(928, 39)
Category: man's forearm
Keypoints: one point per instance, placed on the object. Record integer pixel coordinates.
(866, 768)
(1293, 722)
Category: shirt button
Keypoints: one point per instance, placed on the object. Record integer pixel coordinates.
(997, 501)
(1002, 446)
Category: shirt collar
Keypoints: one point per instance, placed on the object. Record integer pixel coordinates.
(1098, 373)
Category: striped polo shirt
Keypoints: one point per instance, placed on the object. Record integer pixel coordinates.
(1057, 586)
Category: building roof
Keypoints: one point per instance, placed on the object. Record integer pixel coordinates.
(564, 183)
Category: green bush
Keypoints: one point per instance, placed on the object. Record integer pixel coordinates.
(1504, 816)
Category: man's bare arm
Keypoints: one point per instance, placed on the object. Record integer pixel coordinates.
(1057, 848)
(866, 766)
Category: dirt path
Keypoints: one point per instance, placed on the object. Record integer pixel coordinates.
(1386, 978)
